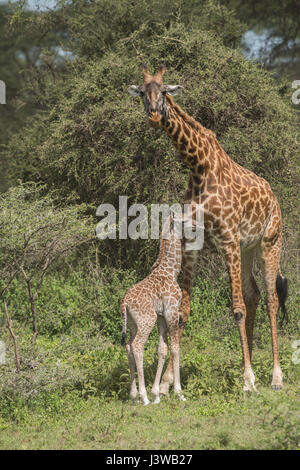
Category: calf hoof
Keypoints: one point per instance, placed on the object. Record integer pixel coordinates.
(181, 397)
(250, 389)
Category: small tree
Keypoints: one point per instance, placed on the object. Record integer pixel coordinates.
(34, 233)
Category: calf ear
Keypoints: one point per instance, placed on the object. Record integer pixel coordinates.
(133, 90)
(173, 89)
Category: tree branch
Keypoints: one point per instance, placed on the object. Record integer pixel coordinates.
(9, 326)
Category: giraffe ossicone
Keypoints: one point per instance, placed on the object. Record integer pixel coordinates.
(242, 218)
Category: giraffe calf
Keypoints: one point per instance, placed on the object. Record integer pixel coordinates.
(157, 297)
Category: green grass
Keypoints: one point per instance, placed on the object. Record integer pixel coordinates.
(267, 420)
(94, 411)
(73, 387)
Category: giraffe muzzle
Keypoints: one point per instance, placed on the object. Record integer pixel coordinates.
(154, 119)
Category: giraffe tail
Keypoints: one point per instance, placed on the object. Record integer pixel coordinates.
(282, 292)
(124, 320)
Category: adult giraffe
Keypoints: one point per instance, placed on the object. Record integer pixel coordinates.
(242, 217)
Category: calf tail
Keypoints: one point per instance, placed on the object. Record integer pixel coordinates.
(124, 320)
(282, 292)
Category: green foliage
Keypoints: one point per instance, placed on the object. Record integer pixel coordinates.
(112, 289)
(93, 143)
(95, 27)
(35, 229)
(62, 305)
(279, 22)
(34, 234)
(14, 60)
(29, 47)
(264, 421)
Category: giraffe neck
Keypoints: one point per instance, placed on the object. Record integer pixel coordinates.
(170, 255)
(195, 143)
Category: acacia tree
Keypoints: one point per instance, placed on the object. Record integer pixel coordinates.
(90, 140)
(34, 233)
(30, 47)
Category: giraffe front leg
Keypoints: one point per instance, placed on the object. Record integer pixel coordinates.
(189, 259)
(233, 260)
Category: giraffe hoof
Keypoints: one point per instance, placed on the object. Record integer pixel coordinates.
(156, 401)
(249, 389)
(276, 387)
(181, 397)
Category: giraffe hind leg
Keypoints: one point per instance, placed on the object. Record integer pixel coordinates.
(270, 253)
(145, 322)
(175, 350)
(251, 294)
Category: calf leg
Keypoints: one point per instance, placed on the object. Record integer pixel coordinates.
(144, 323)
(174, 344)
(131, 360)
(162, 354)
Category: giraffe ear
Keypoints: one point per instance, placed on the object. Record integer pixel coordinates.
(173, 89)
(134, 90)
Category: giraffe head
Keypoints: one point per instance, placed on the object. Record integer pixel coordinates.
(153, 93)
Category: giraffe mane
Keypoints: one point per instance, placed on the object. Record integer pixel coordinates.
(188, 119)
(160, 256)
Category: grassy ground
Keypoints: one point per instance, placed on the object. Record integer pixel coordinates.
(267, 420)
(73, 386)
